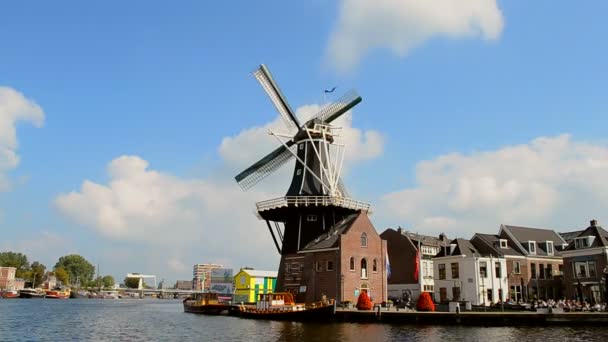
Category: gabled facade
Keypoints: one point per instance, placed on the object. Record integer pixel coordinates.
(339, 264)
(7, 277)
(534, 261)
(586, 264)
(249, 283)
(464, 273)
(409, 276)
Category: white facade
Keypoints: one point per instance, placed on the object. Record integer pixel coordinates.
(469, 282)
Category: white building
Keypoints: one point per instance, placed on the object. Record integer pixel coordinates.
(462, 273)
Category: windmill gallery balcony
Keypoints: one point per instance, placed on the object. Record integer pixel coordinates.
(308, 201)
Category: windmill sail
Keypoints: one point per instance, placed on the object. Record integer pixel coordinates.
(265, 166)
(335, 109)
(262, 74)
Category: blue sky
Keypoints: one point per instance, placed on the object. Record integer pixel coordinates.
(458, 99)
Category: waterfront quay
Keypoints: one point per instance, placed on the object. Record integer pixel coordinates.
(473, 318)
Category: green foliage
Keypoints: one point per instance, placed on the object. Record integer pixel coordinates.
(108, 281)
(36, 273)
(62, 275)
(16, 260)
(131, 283)
(77, 267)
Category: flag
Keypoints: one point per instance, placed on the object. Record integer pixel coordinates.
(388, 265)
(330, 91)
(417, 265)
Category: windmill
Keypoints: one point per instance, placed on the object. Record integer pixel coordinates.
(316, 198)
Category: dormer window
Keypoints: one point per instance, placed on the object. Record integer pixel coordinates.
(532, 247)
(581, 242)
(503, 243)
(550, 247)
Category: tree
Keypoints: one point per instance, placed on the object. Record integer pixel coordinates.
(62, 275)
(132, 283)
(36, 274)
(77, 267)
(363, 302)
(108, 281)
(16, 260)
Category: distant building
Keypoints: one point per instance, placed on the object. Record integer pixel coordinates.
(411, 272)
(249, 283)
(201, 279)
(50, 282)
(534, 260)
(183, 285)
(222, 281)
(7, 278)
(463, 273)
(586, 264)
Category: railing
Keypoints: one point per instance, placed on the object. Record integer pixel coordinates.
(306, 201)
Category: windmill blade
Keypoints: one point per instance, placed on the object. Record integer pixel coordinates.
(265, 166)
(262, 74)
(342, 189)
(335, 109)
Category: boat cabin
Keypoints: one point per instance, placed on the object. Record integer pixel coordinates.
(268, 301)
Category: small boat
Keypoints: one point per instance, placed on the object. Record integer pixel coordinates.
(108, 295)
(58, 294)
(9, 294)
(206, 303)
(281, 306)
(31, 293)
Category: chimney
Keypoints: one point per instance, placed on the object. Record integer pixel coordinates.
(443, 237)
(593, 223)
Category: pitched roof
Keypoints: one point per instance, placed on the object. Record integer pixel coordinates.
(424, 239)
(601, 237)
(494, 242)
(524, 234)
(569, 236)
(332, 237)
(462, 247)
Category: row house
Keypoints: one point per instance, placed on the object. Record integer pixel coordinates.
(463, 273)
(7, 277)
(411, 259)
(586, 264)
(533, 259)
(347, 260)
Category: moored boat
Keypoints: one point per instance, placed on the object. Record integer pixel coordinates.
(206, 303)
(281, 306)
(9, 294)
(31, 293)
(58, 294)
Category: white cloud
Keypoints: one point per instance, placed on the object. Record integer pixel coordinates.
(549, 182)
(14, 107)
(192, 220)
(401, 25)
(44, 246)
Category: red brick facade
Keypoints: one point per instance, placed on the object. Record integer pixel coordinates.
(547, 284)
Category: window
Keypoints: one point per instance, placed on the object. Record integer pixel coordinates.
(541, 271)
(584, 269)
(503, 243)
(363, 240)
(497, 269)
(319, 266)
(533, 271)
(287, 268)
(455, 293)
(330, 265)
(443, 294)
(483, 269)
(428, 250)
(549, 272)
(311, 218)
(301, 147)
(298, 172)
(516, 267)
(490, 296)
(581, 242)
(455, 273)
(243, 280)
(550, 247)
(441, 271)
(428, 288)
(352, 263)
(532, 247)
(364, 268)
(375, 265)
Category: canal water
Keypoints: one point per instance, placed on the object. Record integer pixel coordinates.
(162, 320)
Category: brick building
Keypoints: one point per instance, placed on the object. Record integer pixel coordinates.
(347, 259)
(402, 251)
(7, 277)
(586, 264)
(201, 276)
(534, 261)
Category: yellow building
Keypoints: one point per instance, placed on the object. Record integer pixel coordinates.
(248, 283)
